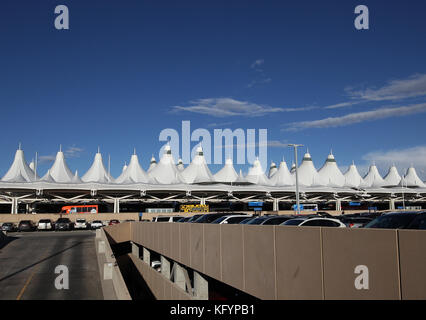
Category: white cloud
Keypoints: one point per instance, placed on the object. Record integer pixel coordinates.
(227, 107)
(358, 117)
(46, 159)
(257, 64)
(402, 158)
(412, 87)
(73, 152)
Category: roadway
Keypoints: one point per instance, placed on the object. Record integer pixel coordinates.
(28, 262)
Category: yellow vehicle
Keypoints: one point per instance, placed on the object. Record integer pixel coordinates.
(194, 208)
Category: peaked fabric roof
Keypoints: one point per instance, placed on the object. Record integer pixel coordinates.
(330, 173)
(241, 179)
(411, 179)
(272, 169)
(256, 174)
(392, 178)
(352, 177)
(59, 170)
(180, 165)
(197, 171)
(48, 177)
(282, 177)
(152, 164)
(227, 173)
(307, 174)
(20, 171)
(133, 173)
(76, 178)
(373, 179)
(97, 172)
(165, 172)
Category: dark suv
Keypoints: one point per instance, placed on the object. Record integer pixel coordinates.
(399, 220)
(26, 225)
(64, 224)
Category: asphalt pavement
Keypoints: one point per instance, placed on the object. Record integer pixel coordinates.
(28, 262)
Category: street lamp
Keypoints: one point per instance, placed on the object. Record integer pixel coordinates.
(297, 178)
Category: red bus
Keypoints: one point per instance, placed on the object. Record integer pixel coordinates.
(80, 209)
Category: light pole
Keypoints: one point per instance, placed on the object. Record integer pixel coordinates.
(297, 178)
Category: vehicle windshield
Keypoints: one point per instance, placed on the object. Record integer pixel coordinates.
(163, 219)
(257, 220)
(276, 220)
(44, 221)
(63, 220)
(219, 220)
(293, 222)
(80, 220)
(392, 221)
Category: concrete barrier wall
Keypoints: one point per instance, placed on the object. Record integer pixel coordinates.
(161, 288)
(282, 262)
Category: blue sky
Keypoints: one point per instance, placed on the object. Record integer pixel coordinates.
(128, 69)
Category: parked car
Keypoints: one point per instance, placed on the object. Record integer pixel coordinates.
(45, 224)
(80, 224)
(247, 220)
(9, 227)
(259, 220)
(396, 220)
(113, 221)
(355, 221)
(419, 222)
(183, 219)
(64, 224)
(167, 218)
(209, 217)
(276, 220)
(314, 222)
(231, 219)
(194, 217)
(96, 224)
(26, 225)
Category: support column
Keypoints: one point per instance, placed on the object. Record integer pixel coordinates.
(146, 256)
(275, 205)
(179, 277)
(135, 249)
(14, 209)
(391, 204)
(203, 201)
(338, 205)
(165, 267)
(116, 205)
(201, 287)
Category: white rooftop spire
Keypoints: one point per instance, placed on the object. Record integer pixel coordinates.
(59, 170)
(133, 173)
(307, 174)
(392, 178)
(165, 172)
(197, 171)
(331, 173)
(411, 179)
(373, 179)
(227, 173)
(97, 172)
(272, 169)
(256, 175)
(283, 176)
(352, 177)
(20, 171)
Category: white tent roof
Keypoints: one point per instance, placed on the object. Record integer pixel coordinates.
(373, 179)
(197, 171)
(392, 178)
(180, 165)
(124, 167)
(293, 168)
(272, 169)
(134, 173)
(256, 174)
(48, 177)
(411, 179)
(240, 178)
(282, 177)
(352, 177)
(165, 172)
(76, 178)
(227, 173)
(152, 164)
(97, 172)
(32, 165)
(19, 170)
(59, 170)
(307, 174)
(330, 173)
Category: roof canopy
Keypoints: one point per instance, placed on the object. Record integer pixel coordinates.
(227, 173)
(256, 175)
(133, 173)
(307, 174)
(97, 172)
(352, 177)
(330, 173)
(20, 171)
(373, 179)
(165, 172)
(197, 171)
(282, 177)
